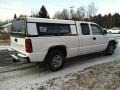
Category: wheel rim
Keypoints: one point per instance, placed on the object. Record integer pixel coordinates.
(111, 49)
(57, 61)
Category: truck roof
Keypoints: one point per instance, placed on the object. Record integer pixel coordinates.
(86, 22)
(45, 20)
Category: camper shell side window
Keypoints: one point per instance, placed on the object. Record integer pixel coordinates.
(53, 29)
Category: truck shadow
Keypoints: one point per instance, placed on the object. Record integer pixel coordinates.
(83, 59)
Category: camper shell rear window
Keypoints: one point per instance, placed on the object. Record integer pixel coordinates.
(18, 28)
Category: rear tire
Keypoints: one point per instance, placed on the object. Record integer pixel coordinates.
(110, 49)
(55, 60)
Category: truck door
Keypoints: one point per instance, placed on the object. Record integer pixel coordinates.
(86, 39)
(99, 39)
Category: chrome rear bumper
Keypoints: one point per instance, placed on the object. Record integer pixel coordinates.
(18, 56)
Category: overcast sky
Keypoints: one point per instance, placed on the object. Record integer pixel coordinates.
(9, 7)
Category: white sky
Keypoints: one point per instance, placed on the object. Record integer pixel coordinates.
(9, 7)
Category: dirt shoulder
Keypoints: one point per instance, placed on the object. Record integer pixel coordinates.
(99, 77)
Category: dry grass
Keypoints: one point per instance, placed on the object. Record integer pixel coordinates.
(4, 36)
(99, 77)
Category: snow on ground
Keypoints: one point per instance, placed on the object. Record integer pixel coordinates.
(4, 47)
(30, 76)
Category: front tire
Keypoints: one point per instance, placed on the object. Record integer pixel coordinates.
(110, 49)
(55, 60)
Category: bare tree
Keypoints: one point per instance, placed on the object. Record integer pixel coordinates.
(65, 14)
(57, 15)
(81, 12)
(92, 10)
(72, 13)
(34, 13)
(62, 15)
(20, 16)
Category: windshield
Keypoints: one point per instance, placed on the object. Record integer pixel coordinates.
(18, 27)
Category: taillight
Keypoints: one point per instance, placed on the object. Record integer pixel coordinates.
(28, 46)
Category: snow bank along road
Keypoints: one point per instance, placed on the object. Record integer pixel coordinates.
(29, 76)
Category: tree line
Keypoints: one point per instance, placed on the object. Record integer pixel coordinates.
(80, 14)
(107, 21)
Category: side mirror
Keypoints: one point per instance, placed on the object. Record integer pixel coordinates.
(105, 31)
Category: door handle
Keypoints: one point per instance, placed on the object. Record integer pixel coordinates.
(94, 38)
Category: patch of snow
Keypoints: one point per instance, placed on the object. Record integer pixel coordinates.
(31, 76)
(4, 47)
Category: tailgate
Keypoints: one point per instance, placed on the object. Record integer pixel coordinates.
(18, 32)
(18, 44)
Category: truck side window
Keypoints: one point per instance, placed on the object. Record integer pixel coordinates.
(85, 29)
(96, 30)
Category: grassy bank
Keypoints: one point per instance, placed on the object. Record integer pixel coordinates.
(99, 77)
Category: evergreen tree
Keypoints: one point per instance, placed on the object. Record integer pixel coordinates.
(43, 12)
(15, 16)
(116, 18)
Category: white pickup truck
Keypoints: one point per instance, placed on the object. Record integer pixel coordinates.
(52, 41)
